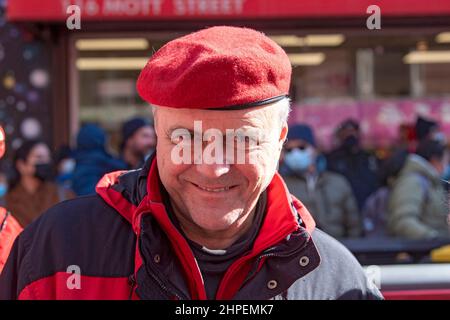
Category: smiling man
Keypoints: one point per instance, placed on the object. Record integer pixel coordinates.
(220, 225)
(214, 200)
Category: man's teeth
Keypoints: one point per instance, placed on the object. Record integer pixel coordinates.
(214, 190)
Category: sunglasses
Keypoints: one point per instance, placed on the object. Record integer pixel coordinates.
(297, 147)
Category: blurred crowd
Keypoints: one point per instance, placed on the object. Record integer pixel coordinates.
(38, 179)
(350, 191)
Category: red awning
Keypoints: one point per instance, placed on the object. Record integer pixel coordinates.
(95, 10)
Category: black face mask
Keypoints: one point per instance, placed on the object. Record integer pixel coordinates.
(44, 171)
(351, 143)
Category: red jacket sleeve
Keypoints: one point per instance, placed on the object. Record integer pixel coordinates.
(9, 230)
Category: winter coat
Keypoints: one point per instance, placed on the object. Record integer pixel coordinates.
(418, 204)
(330, 200)
(360, 169)
(92, 161)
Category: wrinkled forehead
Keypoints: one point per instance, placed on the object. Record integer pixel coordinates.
(258, 117)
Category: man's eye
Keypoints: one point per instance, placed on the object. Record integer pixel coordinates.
(179, 138)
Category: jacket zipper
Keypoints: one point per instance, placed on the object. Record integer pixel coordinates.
(163, 287)
(252, 273)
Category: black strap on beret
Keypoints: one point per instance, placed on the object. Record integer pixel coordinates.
(252, 104)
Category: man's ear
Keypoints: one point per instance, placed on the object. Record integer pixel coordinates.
(283, 134)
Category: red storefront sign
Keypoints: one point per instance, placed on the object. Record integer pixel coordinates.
(56, 10)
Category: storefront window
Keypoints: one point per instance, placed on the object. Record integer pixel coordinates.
(350, 69)
(391, 75)
(436, 79)
(333, 78)
(106, 71)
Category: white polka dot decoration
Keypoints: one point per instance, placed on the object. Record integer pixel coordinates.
(39, 78)
(31, 128)
(16, 143)
(21, 106)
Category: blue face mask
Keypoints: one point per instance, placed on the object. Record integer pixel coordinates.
(298, 160)
(67, 167)
(3, 189)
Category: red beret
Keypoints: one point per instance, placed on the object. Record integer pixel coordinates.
(216, 68)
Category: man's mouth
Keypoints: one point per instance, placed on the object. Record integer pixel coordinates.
(214, 189)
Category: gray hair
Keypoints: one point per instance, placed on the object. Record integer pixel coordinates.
(285, 109)
(284, 105)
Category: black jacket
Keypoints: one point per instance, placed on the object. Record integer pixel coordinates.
(125, 247)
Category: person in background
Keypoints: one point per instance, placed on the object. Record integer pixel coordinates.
(406, 138)
(349, 159)
(375, 209)
(418, 206)
(65, 165)
(427, 129)
(33, 189)
(327, 195)
(92, 160)
(9, 227)
(138, 142)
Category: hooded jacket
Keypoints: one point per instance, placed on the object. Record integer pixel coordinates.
(122, 245)
(418, 204)
(92, 160)
(329, 198)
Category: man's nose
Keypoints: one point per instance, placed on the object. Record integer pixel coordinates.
(212, 170)
(213, 163)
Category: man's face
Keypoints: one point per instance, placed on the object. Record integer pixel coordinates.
(347, 133)
(40, 154)
(216, 196)
(142, 141)
(303, 146)
(299, 144)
